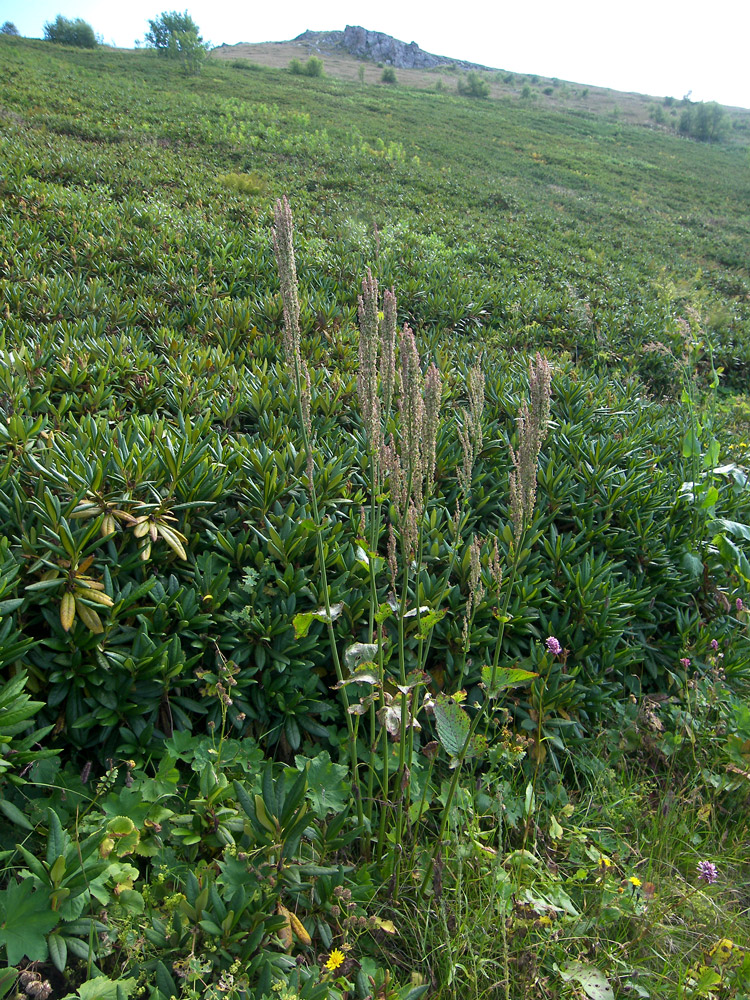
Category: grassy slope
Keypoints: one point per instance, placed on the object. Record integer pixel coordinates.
(518, 224)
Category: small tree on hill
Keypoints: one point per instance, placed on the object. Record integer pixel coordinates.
(473, 85)
(64, 31)
(177, 36)
(388, 75)
(705, 122)
(9, 29)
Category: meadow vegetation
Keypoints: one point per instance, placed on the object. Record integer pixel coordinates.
(373, 575)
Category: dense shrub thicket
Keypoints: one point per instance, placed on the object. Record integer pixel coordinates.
(66, 31)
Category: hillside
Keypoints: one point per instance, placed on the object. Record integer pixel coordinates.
(356, 54)
(373, 576)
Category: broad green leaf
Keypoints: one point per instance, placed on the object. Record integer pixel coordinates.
(58, 951)
(593, 982)
(692, 564)
(505, 677)
(14, 814)
(365, 674)
(359, 652)
(25, 920)
(103, 988)
(706, 981)
(327, 789)
(453, 725)
(7, 981)
(691, 445)
(735, 528)
(304, 619)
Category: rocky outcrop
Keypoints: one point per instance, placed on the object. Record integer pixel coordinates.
(378, 47)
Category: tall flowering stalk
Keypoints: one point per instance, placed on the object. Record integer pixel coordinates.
(283, 246)
(532, 423)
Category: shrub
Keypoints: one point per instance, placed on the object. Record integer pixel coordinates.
(251, 184)
(63, 31)
(473, 85)
(526, 92)
(313, 67)
(705, 122)
(177, 36)
(388, 75)
(548, 91)
(9, 29)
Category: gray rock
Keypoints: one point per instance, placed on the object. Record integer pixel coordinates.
(378, 47)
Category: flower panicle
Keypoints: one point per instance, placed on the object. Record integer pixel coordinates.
(367, 374)
(470, 429)
(388, 352)
(283, 248)
(532, 423)
(433, 392)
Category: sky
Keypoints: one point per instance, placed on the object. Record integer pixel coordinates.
(657, 47)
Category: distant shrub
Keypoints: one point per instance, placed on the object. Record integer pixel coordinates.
(668, 102)
(177, 36)
(388, 75)
(313, 67)
(440, 86)
(704, 122)
(548, 91)
(9, 29)
(244, 64)
(250, 184)
(585, 92)
(534, 78)
(473, 85)
(526, 92)
(509, 78)
(63, 31)
(656, 114)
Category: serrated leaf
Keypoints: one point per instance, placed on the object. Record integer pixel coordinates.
(25, 920)
(593, 982)
(103, 988)
(452, 723)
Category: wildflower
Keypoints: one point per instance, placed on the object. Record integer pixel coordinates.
(553, 646)
(685, 662)
(335, 959)
(738, 604)
(714, 644)
(635, 881)
(708, 871)
(605, 862)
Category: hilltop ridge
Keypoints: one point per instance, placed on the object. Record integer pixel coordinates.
(377, 46)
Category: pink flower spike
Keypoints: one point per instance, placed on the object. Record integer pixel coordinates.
(714, 644)
(553, 646)
(708, 871)
(685, 661)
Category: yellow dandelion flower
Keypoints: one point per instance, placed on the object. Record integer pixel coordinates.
(635, 882)
(335, 959)
(605, 862)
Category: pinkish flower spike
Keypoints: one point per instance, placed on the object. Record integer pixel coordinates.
(553, 646)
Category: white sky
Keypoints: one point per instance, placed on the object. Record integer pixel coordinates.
(658, 47)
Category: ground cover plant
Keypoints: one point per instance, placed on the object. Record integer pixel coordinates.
(372, 582)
